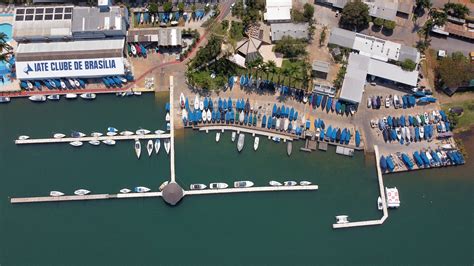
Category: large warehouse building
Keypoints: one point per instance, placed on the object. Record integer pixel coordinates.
(69, 42)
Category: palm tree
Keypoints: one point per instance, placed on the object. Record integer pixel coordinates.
(5, 48)
(271, 67)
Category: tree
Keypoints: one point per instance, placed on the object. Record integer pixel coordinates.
(408, 65)
(181, 7)
(389, 25)
(167, 7)
(153, 8)
(291, 47)
(420, 7)
(438, 18)
(378, 22)
(456, 10)
(308, 11)
(5, 48)
(297, 16)
(322, 37)
(455, 70)
(355, 16)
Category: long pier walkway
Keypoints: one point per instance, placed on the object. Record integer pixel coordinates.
(382, 195)
(172, 177)
(252, 131)
(89, 138)
(158, 194)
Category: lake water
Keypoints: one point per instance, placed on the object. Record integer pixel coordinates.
(432, 226)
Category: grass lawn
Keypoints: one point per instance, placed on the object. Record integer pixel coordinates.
(466, 120)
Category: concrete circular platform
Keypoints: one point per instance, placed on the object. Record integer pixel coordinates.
(172, 193)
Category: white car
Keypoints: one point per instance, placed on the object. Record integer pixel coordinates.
(373, 123)
(369, 102)
(387, 102)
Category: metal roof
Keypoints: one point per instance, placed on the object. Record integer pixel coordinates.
(342, 37)
(354, 80)
(392, 72)
(42, 22)
(93, 19)
(295, 30)
(386, 9)
(70, 50)
(320, 66)
(278, 10)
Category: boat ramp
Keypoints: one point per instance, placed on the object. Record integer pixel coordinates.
(89, 138)
(382, 195)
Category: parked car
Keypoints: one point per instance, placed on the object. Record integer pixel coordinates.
(396, 101)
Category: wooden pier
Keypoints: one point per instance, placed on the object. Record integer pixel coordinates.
(250, 189)
(158, 194)
(252, 131)
(382, 195)
(89, 138)
(172, 174)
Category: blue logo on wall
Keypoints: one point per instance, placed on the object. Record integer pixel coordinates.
(27, 69)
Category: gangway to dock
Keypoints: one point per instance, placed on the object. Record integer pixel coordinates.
(382, 196)
(89, 138)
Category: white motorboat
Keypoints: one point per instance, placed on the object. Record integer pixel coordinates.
(137, 93)
(243, 184)
(218, 136)
(209, 115)
(29, 84)
(218, 185)
(184, 115)
(71, 82)
(290, 183)
(94, 142)
(58, 135)
(163, 185)
(286, 124)
(37, 98)
(167, 117)
(201, 105)
(23, 137)
(142, 131)
(379, 203)
(422, 132)
(159, 131)
(88, 96)
(141, 189)
(109, 142)
(96, 134)
(341, 219)
(63, 84)
(125, 190)
(399, 133)
(126, 133)
(4, 99)
(167, 146)
(289, 148)
(111, 131)
(54, 97)
(56, 193)
(204, 116)
(76, 134)
(233, 136)
(77, 83)
(71, 96)
(182, 100)
(157, 145)
(138, 148)
(305, 183)
(255, 143)
(278, 124)
(133, 49)
(196, 102)
(52, 83)
(275, 183)
(241, 117)
(149, 147)
(241, 142)
(82, 192)
(76, 143)
(197, 187)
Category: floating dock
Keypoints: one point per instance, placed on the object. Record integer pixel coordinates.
(88, 138)
(253, 131)
(159, 194)
(382, 195)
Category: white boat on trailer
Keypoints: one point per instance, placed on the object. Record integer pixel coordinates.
(197, 187)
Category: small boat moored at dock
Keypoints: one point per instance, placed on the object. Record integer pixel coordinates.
(167, 145)
(125, 190)
(289, 148)
(54, 97)
(138, 148)
(76, 143)
(109, 142)
(275, 183)
(305, 183)
(56, 194)
(88, 96)
(157, 145)
(23, 137)
(59, 136)
(149, 147)
(218, 185)
(243, 184)
(379, 204)
(142, 131)
(197, 187)
(111, 131)
(71, 96)
(290, 183)
(94, 142)
(233, 136)
(37, 98)
(82, 192)
(163, 185)
(255, 143)
(241, 142)
(141, 189)
(218, 136)
(341, 219)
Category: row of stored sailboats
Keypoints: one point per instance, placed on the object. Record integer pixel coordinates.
(150, 146)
